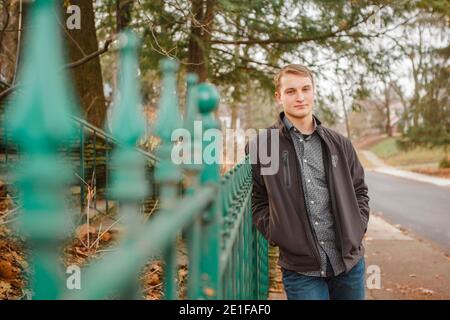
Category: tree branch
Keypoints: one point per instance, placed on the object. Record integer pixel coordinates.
(295, 40)
(247, 59)
(71, 65)
(90, 56)
(7, 92)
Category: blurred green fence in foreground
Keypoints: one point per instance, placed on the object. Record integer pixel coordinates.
(227, 257)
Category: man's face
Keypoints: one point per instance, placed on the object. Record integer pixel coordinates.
(296, 94)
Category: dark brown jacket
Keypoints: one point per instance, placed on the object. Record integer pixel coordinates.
(279, 209)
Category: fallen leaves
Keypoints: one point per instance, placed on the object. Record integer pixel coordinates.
(106, 236)
(425, 291)
(437, 172)
(79, 250)
(6, 291)
(91, 239)
(7, 270)
(12, 269)
(13, 265)
(275, 274)
(95, 233)
(83, 231)
(412, 292)
(6, 204)
(152, 280)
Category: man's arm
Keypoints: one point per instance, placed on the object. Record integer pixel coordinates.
(359, 185)
(260, 201)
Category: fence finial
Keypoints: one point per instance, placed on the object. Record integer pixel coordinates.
(38, 117)
(127, 123)
(208, 100)
(129, 183)
(168, 121)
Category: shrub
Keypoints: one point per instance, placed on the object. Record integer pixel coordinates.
(445, 163)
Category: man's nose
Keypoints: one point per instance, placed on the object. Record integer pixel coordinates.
(300, 96)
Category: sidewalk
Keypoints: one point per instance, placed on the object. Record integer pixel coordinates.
(379, 166)
(410, 267)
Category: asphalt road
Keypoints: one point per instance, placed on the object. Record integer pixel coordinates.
(420, 207)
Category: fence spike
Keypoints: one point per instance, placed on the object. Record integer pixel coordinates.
(38, 117)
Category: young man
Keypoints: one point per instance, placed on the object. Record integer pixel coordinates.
(315, 208)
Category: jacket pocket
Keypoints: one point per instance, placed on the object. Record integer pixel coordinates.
(286, 169)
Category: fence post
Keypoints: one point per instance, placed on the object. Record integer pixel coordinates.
(168, 174)
(192, 169)
(39, 123)
(129, 185)
(208, 100)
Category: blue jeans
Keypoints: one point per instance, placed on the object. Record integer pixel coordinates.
(346, 286)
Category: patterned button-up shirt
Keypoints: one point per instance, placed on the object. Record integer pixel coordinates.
(317, 198)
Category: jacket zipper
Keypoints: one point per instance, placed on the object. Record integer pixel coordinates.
(286, 169)
(315, 246)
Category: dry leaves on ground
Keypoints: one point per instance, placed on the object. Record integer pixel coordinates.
(12, 269)
(437, 172)
(13, 265)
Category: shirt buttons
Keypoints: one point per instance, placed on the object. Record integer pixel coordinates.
(312, 202)
(316, 223)
(309, 180)
(304, 160)
(321, 242)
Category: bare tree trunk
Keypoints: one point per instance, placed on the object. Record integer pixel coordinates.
(344, 108)
(13, 28)
(9, 34)
(123, 19)
(200, 37)
(405, 104)
(87, 77)
(123, 14)
(234, 114)
(387, 107)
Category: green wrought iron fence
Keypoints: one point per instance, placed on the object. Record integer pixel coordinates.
(227, 256)
(88, 152)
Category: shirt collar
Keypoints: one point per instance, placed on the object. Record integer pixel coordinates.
(290, 126)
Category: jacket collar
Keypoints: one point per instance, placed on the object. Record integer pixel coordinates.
(285, 126)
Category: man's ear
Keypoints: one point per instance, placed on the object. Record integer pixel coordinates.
(277, 97)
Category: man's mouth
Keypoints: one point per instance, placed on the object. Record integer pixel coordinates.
(300, 106)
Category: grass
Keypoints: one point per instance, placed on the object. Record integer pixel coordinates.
(364, 162)
(388, 150)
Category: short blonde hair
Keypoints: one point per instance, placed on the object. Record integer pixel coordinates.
(292, 69)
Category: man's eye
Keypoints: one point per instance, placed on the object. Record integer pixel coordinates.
(306, 89)
(290, 91)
